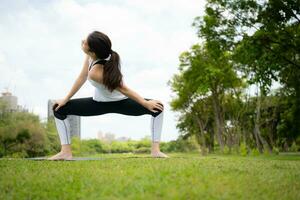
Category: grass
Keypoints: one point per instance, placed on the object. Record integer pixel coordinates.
(129, 176)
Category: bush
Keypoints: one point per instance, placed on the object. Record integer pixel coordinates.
(141, 143)
(243, 149)
(275, 150)
(181, 145)
(266, 152)
(120, 147)
(294, 147)
(22, 134)
(21, 154)
(164, 146)
(226, 150)
(255, 152)
(204, 151)
(106, 147)
(142, 150)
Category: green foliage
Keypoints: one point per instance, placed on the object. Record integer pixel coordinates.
(267, 152)
(255, 152)
(142, 150)
(120, 147)
(22, 134)
(275, 150)
(243, 149)
(245, 43)
(180, 145)
(94, 146)
(91, 146)
(20, 154)
(53, 143)
(76, 146)
(226, 150)
(294, 147)
(141, 143)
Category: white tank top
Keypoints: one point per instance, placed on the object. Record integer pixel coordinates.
(101, 93)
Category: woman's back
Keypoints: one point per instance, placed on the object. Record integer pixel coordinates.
(101, 93)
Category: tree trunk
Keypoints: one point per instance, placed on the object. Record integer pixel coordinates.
(218, 120)
(256, 130)
(211, 139)
(260, 142)
(201, 135)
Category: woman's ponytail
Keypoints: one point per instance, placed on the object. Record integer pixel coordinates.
(112, 76)
(100, 44)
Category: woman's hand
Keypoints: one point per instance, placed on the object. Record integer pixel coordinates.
(60, 103)
(154, 105)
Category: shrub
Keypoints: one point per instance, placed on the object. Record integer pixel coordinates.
(243, 149)
(226, 150)
(21, 154)
(254, 152)
(142, 143)
(22, 132)
(142, 150)
(294, 147)
(181, 145)
(106, 147)
(266, 152)
(275, 150)
(120, 147)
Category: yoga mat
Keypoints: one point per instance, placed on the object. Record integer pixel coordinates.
(73, 159)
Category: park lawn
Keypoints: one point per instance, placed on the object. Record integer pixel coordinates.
(138, 176)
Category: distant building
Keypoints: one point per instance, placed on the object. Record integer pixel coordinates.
(100, 135)
(75, 121)
(11, 102)
(108, 137)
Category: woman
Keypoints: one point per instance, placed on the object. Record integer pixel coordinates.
(102, 68)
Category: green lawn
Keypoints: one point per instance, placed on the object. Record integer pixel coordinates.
(129, 176)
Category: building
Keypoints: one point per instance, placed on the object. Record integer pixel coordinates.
(110, 137)
(75, 121)
(11, 102)
(100, 135)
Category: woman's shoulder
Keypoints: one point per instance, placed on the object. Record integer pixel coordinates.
(95, 72)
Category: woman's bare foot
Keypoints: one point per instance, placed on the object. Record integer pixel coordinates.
(64, 154)
(61, 156)
(155, 151)
(159, 154)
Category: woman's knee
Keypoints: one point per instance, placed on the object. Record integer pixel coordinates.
(161, 104)
(58, 113)
(154, 114)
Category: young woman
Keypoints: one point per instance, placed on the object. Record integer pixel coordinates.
(102, 68)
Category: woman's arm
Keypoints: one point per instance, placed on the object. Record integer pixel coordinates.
(152, 104)
(80, 79)
(132, 94)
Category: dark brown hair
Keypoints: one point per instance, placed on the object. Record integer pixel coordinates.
(100, 44)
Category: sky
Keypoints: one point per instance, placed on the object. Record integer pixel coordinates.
(41, 56)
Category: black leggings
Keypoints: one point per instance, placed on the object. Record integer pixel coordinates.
(88, 107)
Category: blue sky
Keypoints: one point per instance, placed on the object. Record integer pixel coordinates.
(40, 54)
